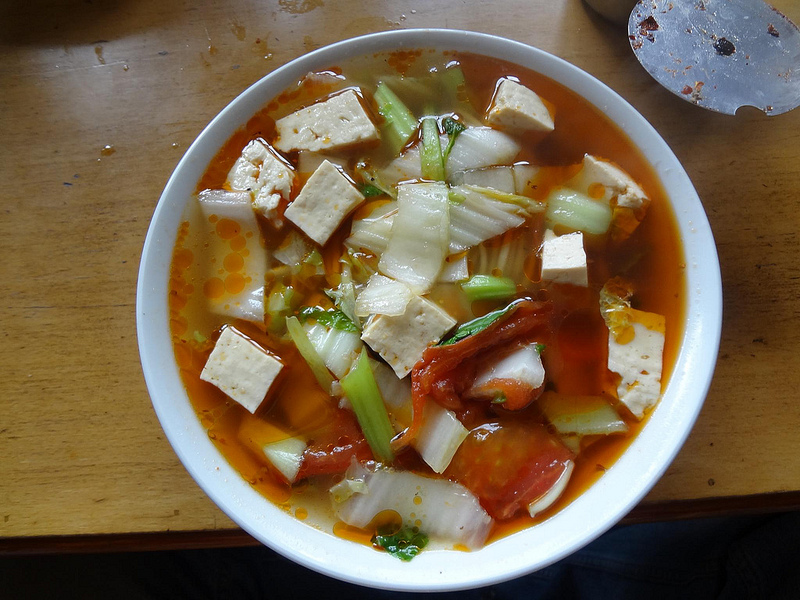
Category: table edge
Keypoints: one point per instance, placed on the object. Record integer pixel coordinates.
(724, 506)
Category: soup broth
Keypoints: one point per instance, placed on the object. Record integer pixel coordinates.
(212, 253)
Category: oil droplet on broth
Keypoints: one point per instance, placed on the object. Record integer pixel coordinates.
(233, 262)
(214, 288)
(234, 283)
(301, 513)
(227, 229)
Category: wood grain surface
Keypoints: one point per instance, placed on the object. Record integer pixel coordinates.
(98, 102)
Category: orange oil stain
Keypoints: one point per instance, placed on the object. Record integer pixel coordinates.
(214, 288)
(233, 262)
(234, 283)
(227, 229)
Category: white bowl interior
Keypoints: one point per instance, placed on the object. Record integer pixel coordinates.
(600, 507)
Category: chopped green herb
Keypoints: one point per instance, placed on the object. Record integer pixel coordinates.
(405, 544)
(499, 398)
(199, 337)
(370, 191)
(476, 325)
(330, 318)
(452, 128)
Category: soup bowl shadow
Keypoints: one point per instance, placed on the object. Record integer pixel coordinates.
(581, 521)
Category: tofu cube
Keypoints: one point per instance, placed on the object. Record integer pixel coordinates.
(401, 340)
(325, 200)
(618, 188)
(241, 368)
(564, 259)
(516, 107)
(337, 122)
(638, 361)
(261, 171)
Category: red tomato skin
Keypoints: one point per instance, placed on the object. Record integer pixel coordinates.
(333, 447)
(507, 464)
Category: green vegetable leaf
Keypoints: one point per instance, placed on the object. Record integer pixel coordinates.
(476, 325)
(330, 318)
(405, 544)
(370, 191)
(452, 128)
(500, 398)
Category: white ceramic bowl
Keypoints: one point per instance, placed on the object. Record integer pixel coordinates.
(580, 522)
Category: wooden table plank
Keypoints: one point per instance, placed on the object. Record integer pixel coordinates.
(82, 452)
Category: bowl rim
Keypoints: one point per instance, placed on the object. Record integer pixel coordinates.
(588, 516)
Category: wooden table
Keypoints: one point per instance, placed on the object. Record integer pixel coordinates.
(98, 101)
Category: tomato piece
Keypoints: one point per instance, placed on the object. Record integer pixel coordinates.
(517, 394)
(508, 464)
(333, 447)
(446, 371)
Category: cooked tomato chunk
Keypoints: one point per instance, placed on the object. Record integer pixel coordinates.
(508, 464)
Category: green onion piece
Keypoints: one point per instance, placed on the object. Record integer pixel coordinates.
(431, 153)
(405, 544)
(489, 287)
(335, 319)
(309, 353)
(577, 211)
(400, 123)
(477, 325)
(452, 128)
(361, 389)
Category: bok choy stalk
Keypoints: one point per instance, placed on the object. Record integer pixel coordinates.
(420, 236)
(361, 389)
(431, 152)
(580, 415)
(577, 211)
(337, 348)
(489, 287)
(400, 123)
(309, 353)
